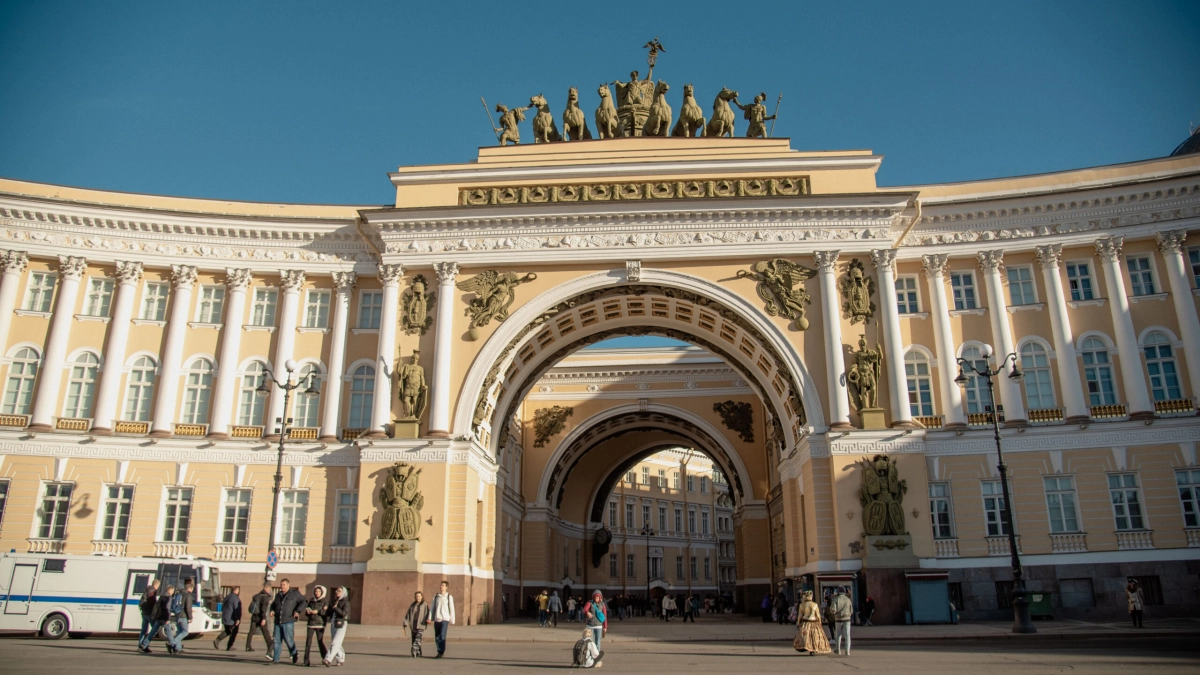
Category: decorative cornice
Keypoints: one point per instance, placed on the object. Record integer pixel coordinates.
(72, 267)
(794, 186)
(291, 280)
(827, 261)
(183, 276)
(15, 262)
(129, 273)
(237, 279)
(934, 265)
(390, 275)
(446, 271)
(343, 281)
(1171, 241)
(1109, 249)
(1049, 256)
(990, 261)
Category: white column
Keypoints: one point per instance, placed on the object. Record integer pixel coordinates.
(285, 344)
(385, 355)
(839, 398)
(943, 340)
(1074, 402)
(343, 282)
(1137, 396)
(225, 391)
(893, 343)
(15, 263)
(1010, 390)
(183, 280)
(70, 273)
(128, 276)
(439, 409)
(1171, 245)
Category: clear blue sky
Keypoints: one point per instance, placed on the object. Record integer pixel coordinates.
(315, 102)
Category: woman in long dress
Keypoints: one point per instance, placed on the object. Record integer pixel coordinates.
(810, 637)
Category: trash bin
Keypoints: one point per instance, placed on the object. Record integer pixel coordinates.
(1040, 605)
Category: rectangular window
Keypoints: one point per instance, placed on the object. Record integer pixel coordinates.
(920, 384)
(993, 509)
(370, 309)
(662, 519)
(347, 519)
(679, 567)
(678, 519)
(662, 479)
(1194, 261)
(1079, 278)
(1060, 501)
(906, 295)
(237, 516)
(118, 501)
(612, 514)
(56, 506)
(1020, 286)
(675, 479)
(646, 476)
(3, 500)
(316, 309)
(703, 485)
(212, 301)
(963, 285)
(939, 511)
(631, 477)
(295, 517)
(645, 515)
(1188, 482)
(629, 516)
(707, 567)
(704, 522)
(630, 572)
(177, 514)
(691, 484)
(1126, 501)
(692, 521)
(1140, 276)
(99, 297)
(693, 568)
(263, 311)
(154, 302)
(40, 295)
(612, 565)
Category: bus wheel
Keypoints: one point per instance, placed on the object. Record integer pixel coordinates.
(55, 627)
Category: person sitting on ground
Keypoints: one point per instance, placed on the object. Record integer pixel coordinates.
(586, 654)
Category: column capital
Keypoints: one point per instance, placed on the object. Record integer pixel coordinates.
(15, 261)
(990, 261)
(884, 257)
(291, 280)
(1109, 249)
(1172, 241)
(237, 279)
(183, 276)
(390, 275)
(826, 260)
(129, 273)
(72, 267)
(343, 281)
(1049, 256)
(934, 264)
(446, 271)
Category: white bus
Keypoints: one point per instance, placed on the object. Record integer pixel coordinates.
(59, 594)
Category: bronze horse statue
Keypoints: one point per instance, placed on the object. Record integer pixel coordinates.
(721, 123)
(574, 121)
(544, 129)
(607, 124)
(659, 121)
(691, 116)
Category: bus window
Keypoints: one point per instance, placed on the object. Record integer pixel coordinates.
(54, 565)
(140, 582)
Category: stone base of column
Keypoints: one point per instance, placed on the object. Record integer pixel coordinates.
(217, 436)
(100, 431)
(1015, 424)
(904, 424)
(437, 434)
(955, 426)
(840, 426)
(39, 427)
(1078, 419)
(1143, 416)
(161, 433)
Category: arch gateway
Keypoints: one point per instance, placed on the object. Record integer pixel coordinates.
(470, 418)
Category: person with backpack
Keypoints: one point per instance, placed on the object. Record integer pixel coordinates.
(595, 614)
(337, 617)
(231, 618)
(161, 615)
(554, 606)
(260, 605)
(146, 607)
(316, 609)
(586, 654)
(416, 619)
(181, 615)
(442, 613)
(285, 610)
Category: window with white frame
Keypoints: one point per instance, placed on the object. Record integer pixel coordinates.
(316, 309)
(1141, 276)
(177, 514)
(978, 399)
(693, 568)
(691, 483)
(691, 521)
(362, 397)
(993, 509)
(645, 515)
(612, 514)
(939, 511)
(212, 301)
(1160, 366)
(703, 485)
(1039, 389)
(675, 479)
(629, 515)
(1188, 482)
(3, 500)
(99, 297)
(56, 507)
(1060, 502)
(154, 301)
(1098, 373)
(630, 571)
(662, 518)
(39, 295)
(646, 476)
(962, 284)
(679, 567)
(304, 410)
(704, 518)
(1079, 279)
(18, 389)
(920, 385)
(81, 387)
(251, 406)
(1127, 501)
(612, 565)
(237, 516)
(678, 519)
(370, 309)
(139, 390)
(118, 501)
(662, 479)
(262, 313)
(906, 295)
(347, 519)
(1194, 261)
(631, 477)
(1020, 285)
(294, 517)
(196, 392)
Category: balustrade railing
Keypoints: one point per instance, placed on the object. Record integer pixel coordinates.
(1177, 405)
(999, 545)
(113, 548)
(229, 552)
(1193, 538)
(290, 553)
(930, 421)
(127, 427)
(351, 434)
(303, 433)
(1046, 415)
(245, 432)
(191, 430)
(1101, 412)
(37, 545)
(1068, 543)
(19, 421)
(979, 419)
(1132, 540)
(72, 424)
(341, 554)
(170, 549)
(945, 548)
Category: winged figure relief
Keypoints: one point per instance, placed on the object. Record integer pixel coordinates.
(779, 286)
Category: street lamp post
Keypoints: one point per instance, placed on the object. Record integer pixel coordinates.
(1022, 622)
(647, 533)
(263, 390)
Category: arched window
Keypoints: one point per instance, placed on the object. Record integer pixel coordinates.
(1039, 389)
(304, 413)
(139, 392)
(1097, 371)
(920, 391)
(196, 392)
(251, 406)
(81, 388)
(1160, 364)
(18, 391)
(978, 398)
(362, 397)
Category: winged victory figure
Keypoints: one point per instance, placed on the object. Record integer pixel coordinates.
(778, 286)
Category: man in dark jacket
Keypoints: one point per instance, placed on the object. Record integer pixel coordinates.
(285, 610)
(181, 615)
(416, 619)
(231, 618)
(316, 609)
(161, 614)
(146, 607)
(260, 605)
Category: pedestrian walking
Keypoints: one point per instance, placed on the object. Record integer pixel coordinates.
(285, 611)
(231, 618)
(555, 607)
(765, 606)
(1136, 601)
(843, 611)
(689, 609)
(543, 605)
(668, 607)
(316, 609)
(146, 606)
(595, 613)
(868, 609)
(162, 618)
(810, 637)
(416, 619)
(780, 607)
(443, 617)
(571, 605)
(260, 607)
(181, 615)
(337, 617)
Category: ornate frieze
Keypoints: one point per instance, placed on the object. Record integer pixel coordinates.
(794, 186)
